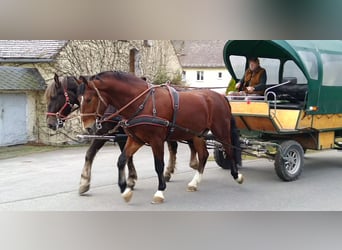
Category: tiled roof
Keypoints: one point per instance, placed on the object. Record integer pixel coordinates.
(30, 50)
(16, 78)
(200, 53)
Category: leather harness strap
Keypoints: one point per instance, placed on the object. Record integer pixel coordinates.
(175, 104)
(154, 120)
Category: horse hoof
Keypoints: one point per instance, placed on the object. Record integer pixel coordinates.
(167, 178)
(158, 198)
(127, 195)
(192, 189)
(83, 189)
(240, 179)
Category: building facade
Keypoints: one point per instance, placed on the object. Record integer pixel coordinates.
(202, 63)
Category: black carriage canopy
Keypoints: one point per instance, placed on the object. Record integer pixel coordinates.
(315, 64)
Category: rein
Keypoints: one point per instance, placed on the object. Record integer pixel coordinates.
(130, 103)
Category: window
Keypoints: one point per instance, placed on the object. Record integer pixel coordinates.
(219, 76)
(310, 62)
(292, 70)
(148, 43)
(272, 69)
(332, 65)
(200, 75)
(183, 76)
(239, 65)
(269, 64)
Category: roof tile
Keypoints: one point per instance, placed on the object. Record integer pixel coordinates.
(30, 49)
(16, 78)
(200, 53)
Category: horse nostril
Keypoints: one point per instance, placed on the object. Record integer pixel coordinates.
(51, 126)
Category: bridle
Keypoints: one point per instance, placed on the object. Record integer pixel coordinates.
(59, 114)
(98, 116)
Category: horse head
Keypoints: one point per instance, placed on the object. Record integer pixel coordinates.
(60, 96)
(92, 104)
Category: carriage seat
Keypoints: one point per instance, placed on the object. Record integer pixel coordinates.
(289, 96)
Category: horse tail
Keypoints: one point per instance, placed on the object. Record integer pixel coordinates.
(235, 138)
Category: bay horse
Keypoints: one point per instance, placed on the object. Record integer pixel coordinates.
(154, 114)
(61, 97)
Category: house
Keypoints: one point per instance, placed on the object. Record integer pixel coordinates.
(202, 63)
(27, 66)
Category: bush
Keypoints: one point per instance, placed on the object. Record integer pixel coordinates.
(162, 77)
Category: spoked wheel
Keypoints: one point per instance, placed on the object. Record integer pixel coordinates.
(289, 160)
(221, 159)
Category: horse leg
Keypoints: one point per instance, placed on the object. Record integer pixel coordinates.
(158, 154)
(130, 148)
(236, 152)
(193, 159)
(132, 173)
(86, 172)
(201, 149)
(172, 146)
(230, 140)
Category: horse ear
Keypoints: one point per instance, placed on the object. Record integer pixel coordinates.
(82, 79)
(56, 78)
(78, 81)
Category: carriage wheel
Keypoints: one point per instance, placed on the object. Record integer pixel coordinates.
(289, 164)
(221, 160)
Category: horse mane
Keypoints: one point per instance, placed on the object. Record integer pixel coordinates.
(68, 82)
(81, 89)
(50, 91)
(119, 75)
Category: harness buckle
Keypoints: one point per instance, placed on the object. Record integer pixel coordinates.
(98, 124)
(59, 121)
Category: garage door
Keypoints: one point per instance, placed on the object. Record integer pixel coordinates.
(13, 127)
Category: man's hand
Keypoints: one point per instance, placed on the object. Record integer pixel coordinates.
(237, 86)
(250, 90)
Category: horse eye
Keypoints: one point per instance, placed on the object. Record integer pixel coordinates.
(88, 100)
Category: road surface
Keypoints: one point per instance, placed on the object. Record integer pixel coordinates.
(49, 181)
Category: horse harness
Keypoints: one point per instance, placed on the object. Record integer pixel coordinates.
(153, 119)
(137, 119)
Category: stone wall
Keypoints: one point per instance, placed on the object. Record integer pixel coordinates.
(92, 56)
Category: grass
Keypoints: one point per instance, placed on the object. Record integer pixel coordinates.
(20, 150)
(27, 149)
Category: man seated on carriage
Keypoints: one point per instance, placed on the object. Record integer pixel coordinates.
(253, 81)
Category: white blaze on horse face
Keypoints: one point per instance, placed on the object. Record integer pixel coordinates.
(82, 100)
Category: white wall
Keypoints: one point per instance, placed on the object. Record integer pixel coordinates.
(210, 78)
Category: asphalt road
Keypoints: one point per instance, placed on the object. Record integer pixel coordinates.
(49, 181)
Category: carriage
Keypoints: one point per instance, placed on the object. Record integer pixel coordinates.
(301, 108)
